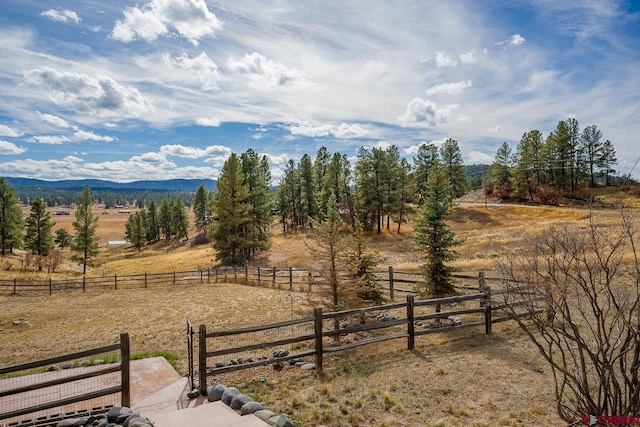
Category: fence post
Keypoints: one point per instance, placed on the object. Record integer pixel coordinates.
(125, 359)
(15, 285)
(259, 277)
(482, 286)
(115, 281)
(310, 279)
(317, 312)
(411, 332)
(487, 311)
(273, 279)
(208, 275)
(145, 280)
(174, 278)
(201, 276)
(202, 359)
(246, 274)
(291, 278)
(84, 283)
(50, 286)
(216, 274)
(190, 353)
(391, 293)
(235, 274)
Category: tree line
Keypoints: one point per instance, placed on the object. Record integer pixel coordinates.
(543, 169)
(34, 232)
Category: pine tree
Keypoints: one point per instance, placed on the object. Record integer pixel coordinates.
(231, 214)
(10, 218)
(152, 226)
(435, 239)
(135, 230)
(423, 163)
(257, 178)
(528, 161)
(38, 237)
(85, 242)
(179, 219)
(361, 261)
(165, 224)
(308, 187)
(63, 238)
(453, 167)
(200, 209)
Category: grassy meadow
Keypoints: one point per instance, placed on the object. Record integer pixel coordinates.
(458, 379)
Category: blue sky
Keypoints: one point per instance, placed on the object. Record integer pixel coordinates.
(161, 89)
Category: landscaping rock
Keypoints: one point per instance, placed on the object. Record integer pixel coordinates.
(228, 395)
(264, 414)
(308, 366)
(16, 322)
(250, 408)
(296, 360)
(112, 415)
(215, 392)
(239, 400)
(127, 420)
(69, 422)
(280, 353)
(282, 420)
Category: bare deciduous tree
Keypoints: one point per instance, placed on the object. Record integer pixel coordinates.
(589, 327)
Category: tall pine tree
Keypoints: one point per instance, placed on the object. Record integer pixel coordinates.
(38, 236)
(10, 218)
(85, 242)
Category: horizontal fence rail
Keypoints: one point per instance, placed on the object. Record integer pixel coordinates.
(293, 279)
(322, 333)
(34, 387)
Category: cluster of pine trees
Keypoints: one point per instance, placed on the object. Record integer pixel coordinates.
(380, 191)
(34, 233)
(543, 168)
(153, 223)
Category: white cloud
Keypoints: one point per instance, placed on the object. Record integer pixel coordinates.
(468, 58)
(73, 159)
(516, 40)
(152, 158)
(53, 120)
(81, 135)
(61, 15)
(100, 96)
(208, 121)
(495, 129)
(110, 125)
(444, 60)
(190, 18)
(7, 147)
(279, 160)
(315, 129)
(8, 131)
(424, 113)
(50, 139)
(476, 157)
(451, 88)
(200, 67)
(264, 73)
(213, 151)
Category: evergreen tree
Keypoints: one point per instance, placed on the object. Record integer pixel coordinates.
(257, 179)
(501, 170)
(165, 223)
(308, 187)
(85, 242)
(435, 239)
(361, 262)
(136, 232)
(153, 223)
(38, 237)
(10, 218)
(406, 189)
(179, 219)
(289, 197)
(63, 238)
(232, 214)
(423, 163)
(200, 209)
(453, 166)
(607, 161)
(592, 151)
(327, 248)
(368, 174)
(528, 163)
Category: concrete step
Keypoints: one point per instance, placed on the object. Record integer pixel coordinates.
(213, 414)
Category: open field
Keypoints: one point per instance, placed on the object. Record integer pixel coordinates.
(463, 378)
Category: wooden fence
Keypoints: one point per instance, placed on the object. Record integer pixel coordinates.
(292, 279)
(305, 336)
(22, 392)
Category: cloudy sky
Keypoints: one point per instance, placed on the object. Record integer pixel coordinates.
(159, 89)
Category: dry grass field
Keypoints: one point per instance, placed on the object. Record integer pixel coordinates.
(457, 379)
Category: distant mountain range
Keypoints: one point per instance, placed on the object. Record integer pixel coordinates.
(167, 185)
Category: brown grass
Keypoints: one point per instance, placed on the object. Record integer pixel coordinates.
(463, 378)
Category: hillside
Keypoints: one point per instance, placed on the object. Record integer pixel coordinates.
(166, 185)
